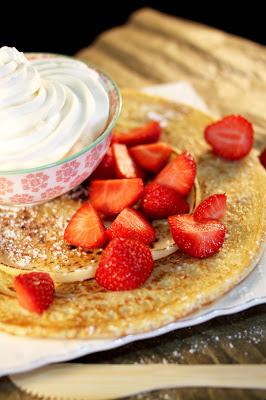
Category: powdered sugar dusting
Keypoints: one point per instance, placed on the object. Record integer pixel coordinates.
(31, 235)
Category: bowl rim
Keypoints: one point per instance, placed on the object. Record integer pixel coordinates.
(104, 134)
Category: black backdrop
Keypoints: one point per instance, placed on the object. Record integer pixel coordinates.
(65, 27)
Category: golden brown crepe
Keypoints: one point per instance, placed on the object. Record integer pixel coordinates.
(179, 284)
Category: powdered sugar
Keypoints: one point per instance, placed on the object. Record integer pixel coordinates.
(30, 235)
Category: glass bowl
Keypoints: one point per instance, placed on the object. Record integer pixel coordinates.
(43, 183)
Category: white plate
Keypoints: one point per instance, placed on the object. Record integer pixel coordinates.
(20, 354)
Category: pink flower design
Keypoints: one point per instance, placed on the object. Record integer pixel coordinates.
(107, 141)
(35, 182)
(113, 99)
(52, 192)
(92, 158)
(67, 171)
(100, 147)
(6, 186)
(21, 198)
(78, 180)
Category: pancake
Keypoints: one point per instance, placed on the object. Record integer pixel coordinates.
(179, 284)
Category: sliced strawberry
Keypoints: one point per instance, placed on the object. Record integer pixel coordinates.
(231, 137)
(35, 291)
(113, 195)
(151, 157)
(106, 168)
(262, 157)
(160, 201)
(198, 239)
(213, 207)
(148, 133)
(179, 174)
(85, 228)
(125, 264)
(132, 225)
(125, 167)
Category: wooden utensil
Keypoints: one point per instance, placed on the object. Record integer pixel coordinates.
(102, 381)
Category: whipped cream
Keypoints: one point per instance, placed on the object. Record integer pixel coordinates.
(49, 109)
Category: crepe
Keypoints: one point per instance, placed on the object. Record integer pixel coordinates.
(179, 284)
(32, 238)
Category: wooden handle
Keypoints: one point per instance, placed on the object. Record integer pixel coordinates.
(100, 381)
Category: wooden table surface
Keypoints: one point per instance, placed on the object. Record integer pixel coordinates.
(230, 74)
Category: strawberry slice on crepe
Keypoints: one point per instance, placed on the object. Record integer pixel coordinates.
(148, 133)
(179, 174)
(151, 157)
(113, 195)
(131, 224)
(198, 239)
(85, 228)
(213, 207)
(231, 138)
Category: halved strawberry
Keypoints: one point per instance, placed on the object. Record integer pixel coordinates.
(151, 157)
(213, 207)
(125, 167)
(113, 195)
(179, 174)
(35, 291)
(125, 264)
(85, 228)
(148, 133)
(198, 239)
(160, 201)
(106, 168)
(231, 137)
(262, 157)
(132, 225)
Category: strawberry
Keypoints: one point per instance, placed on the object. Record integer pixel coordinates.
(151, 157)
(262, 157)
(179, 174)
(106, 168)
(125, 264)
(198, 239)
(160, 201)
(85, 228)
(131, 224)
(148, 133)
(35, 291)
(124, 165)
(231, 137)
(111, 196)
(213, 207)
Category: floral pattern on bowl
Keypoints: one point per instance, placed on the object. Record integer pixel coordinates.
(36, 185)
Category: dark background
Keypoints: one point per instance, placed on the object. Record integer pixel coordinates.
(65, 27)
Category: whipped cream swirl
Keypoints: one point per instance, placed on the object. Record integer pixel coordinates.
(49, 109)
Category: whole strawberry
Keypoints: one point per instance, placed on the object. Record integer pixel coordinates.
(160, 201)
(125, 264)
(35, 291)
